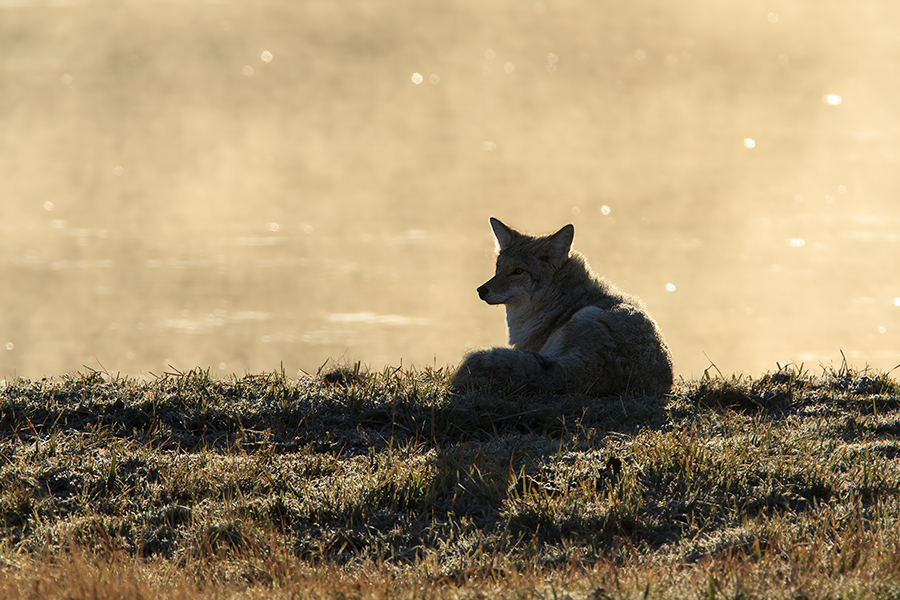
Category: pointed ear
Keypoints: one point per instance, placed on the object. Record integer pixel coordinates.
(504, 234)
(559, 245)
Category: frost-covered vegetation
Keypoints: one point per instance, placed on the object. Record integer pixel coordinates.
(355, 484)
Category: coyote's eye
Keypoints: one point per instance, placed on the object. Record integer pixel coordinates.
(517, 271)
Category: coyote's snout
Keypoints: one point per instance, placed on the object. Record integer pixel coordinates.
(569, 329)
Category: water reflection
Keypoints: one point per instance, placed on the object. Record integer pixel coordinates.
(367, 317)
(162, 208)
(218, 318)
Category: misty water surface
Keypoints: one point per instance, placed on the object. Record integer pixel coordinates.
(243, 186)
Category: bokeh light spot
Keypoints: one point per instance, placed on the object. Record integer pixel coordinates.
(417, 78)
(772, 17)
(247, 70)
(266, 56)
(509, 67)
(10, 345)
(831, 99)
(605, 210)
(670, 287)
(749, 143)
(796, 242)
(434, 79)
(48, 205)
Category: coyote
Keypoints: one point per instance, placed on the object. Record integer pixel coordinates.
(570, 330)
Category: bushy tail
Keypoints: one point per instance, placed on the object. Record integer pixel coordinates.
(519, 371)
(511, 370)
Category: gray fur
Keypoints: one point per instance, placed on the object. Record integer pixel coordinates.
(570, 330)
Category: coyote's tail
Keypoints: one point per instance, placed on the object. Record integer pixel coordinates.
(507, 369)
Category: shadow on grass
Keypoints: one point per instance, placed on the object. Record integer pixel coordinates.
(345, 413)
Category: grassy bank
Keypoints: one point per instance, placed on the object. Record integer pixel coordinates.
(380, 485)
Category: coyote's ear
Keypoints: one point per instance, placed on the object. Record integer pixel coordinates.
(504, 234)
(559, 245)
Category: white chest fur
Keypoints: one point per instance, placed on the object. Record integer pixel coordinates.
(523, 324)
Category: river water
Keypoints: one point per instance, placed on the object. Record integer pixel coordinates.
(250, 186)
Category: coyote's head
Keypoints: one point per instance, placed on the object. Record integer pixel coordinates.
(525, 264)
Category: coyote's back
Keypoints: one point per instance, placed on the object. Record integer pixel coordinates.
(570, 330)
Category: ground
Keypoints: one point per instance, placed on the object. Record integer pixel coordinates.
(353, 484)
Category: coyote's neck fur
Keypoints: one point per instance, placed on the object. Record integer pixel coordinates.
(531, 323)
